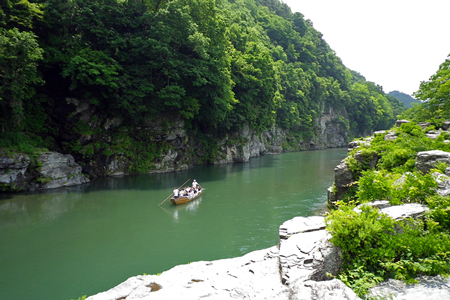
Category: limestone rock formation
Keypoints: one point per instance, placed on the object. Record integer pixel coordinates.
(13, 167)
(427, 288)
(59, 170)
(51, 170)
(427, 160)
(252, 276)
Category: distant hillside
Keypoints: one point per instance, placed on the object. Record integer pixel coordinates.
(404, 98)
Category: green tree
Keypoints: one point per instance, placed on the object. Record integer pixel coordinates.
(436, 91)
(19, 54)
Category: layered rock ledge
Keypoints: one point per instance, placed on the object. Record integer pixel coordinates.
(48, 171)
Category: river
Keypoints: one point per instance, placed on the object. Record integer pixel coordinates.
(65, 243)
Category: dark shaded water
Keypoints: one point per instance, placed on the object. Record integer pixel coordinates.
(79, 241)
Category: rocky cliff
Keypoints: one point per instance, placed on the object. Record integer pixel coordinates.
(107, 147)
(178, 148)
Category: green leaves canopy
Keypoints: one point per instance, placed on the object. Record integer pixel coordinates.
(216, 64)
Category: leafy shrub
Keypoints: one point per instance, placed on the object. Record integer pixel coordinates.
(415, 188)
(21, 142)
(372, 252)
(375, 185)
(439, 212)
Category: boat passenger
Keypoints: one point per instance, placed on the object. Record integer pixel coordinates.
(194, 184)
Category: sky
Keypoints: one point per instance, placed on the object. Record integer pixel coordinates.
(393, 43)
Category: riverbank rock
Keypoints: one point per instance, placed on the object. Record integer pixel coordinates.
(252, 276)
(58, 170)
(13, 168)
(50, 170)
(343, 179)
(306, 252)
(427, 288)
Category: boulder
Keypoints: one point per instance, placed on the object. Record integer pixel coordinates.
(343, 179)
(323, 290)
(308, 256)
(446, 125)
(443, 183)
(433, 134)
(399, 123)
(51, 170)
(426, 288)
(13, 167)
(58, 170)
(391, 136)
(427, 160)
(299, 225)
(379, 203)
(368, 161)
(305, 250)
(405, 212)
(424, 124)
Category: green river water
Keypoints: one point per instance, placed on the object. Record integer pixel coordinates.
(65, 243)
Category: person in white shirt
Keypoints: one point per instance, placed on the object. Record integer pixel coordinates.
(176, 193)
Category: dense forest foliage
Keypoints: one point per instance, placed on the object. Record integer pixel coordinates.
(406, 99)
(435, 96)
(216, 64)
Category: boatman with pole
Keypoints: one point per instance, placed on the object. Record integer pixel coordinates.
(176, 193)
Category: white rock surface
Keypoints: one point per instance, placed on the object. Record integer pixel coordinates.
(427, 288)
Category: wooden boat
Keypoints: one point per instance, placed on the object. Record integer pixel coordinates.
(183, 199)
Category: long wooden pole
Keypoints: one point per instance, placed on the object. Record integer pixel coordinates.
(172, 192)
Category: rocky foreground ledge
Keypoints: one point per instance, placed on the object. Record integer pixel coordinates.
(295, 269)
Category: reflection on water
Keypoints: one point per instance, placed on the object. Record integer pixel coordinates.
(74, 241)
(189, 207)
(44, 207)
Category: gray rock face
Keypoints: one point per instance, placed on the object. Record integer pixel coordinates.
(13, 169)
(379, 203)
(308, 256)
(54, 170)
(427, 288)
(332, 131)
(443, 183)
(405, 211)
(59, 170)
(323, 290)
(427, 160)
(343, 179)
(305, 250)
(300, 225)
(180, 151)
(399, 123)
